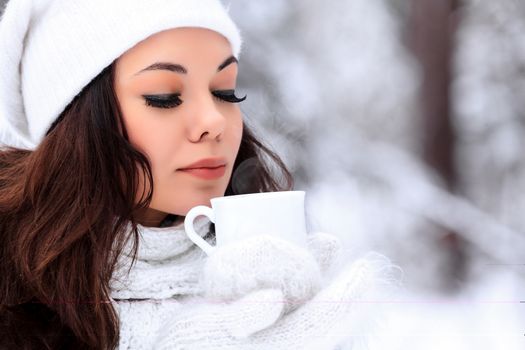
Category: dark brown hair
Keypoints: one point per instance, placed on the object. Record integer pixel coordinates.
(64, 210)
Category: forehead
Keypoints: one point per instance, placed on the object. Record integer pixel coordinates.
(186, 46)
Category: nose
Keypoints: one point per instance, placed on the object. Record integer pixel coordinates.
(205, 121)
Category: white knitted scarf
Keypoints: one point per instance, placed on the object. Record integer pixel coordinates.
(167, 264)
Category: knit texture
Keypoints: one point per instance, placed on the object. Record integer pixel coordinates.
(341, 315)
(261, 262)
(161, 283)
(163, 300)
(167, 264)
(51, 49)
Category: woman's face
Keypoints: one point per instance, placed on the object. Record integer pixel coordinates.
(178, 112)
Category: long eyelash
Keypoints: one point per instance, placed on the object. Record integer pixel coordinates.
(173, 100)
(163, 101)
(228, 96)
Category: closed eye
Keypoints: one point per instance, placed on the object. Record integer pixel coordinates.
(173, 100)
(163, 100)
(228, 96)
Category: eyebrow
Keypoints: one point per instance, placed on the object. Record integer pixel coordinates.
(177, 68)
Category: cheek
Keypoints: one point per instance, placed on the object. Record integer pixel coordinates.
(150, 133)
(157, 142)
(236, 131)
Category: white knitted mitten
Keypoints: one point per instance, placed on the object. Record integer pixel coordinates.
(267, 262)
(256, 322)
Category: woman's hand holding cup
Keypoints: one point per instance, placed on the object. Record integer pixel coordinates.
(260, 277)
(262, 262)
(262, 243)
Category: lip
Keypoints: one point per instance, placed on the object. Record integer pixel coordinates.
(206, 173)
(208, 168)
(206, 163)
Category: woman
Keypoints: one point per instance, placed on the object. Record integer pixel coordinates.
(105, 106)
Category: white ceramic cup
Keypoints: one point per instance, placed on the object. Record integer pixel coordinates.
(237, 217)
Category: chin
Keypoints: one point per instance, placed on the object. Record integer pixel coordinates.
(187, 201)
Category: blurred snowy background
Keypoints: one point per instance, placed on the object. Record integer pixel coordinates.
(404, 120)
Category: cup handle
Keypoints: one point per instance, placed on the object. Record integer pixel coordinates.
(190, 231)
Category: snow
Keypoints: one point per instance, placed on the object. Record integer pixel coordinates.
(334, 90)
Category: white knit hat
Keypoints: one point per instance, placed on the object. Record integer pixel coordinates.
(51, 49)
